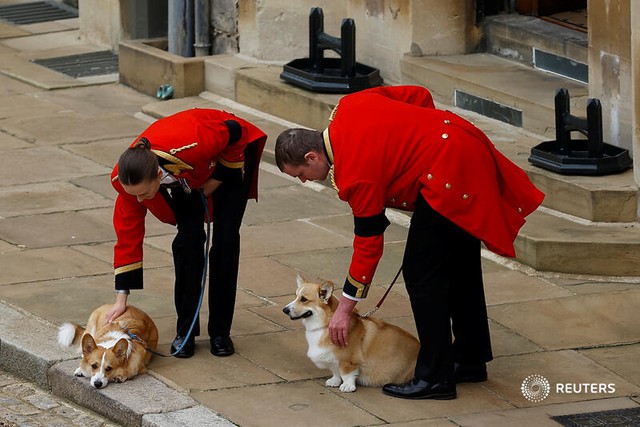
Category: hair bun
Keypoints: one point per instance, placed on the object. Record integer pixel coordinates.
(143, 143)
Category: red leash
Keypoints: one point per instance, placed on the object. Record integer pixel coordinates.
(374, 309)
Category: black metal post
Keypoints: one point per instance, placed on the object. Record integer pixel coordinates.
(316, 28)
(594, 128)
(348, 35)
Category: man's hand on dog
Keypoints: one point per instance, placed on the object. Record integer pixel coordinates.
(339, 324)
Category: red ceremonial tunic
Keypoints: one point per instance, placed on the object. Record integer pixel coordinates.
(388, 144)
(189, 145)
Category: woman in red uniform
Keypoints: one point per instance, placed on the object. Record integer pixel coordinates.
(170, 170)
(390, 147)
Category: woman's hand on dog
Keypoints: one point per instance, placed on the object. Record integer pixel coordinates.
(117, 309)
(339, 324)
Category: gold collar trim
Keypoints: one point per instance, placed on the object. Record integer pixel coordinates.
(327, 145)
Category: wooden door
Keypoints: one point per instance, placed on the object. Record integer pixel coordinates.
(548, 7)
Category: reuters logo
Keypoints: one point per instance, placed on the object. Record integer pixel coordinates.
(535, 388)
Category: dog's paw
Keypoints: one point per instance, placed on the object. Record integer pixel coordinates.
(78, 372)
(119, 379)
(333, 382)
(347, 388)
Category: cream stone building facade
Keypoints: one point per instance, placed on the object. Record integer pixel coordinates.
(392, 34)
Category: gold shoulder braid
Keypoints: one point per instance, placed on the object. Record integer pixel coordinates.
(333, 179)
(333, 113)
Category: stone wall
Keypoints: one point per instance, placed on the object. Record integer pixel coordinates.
(610, 77)
(278, 30)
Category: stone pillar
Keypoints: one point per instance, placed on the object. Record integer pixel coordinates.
(99, 22)
(278, 30)
(443, 27)
(610, 75)
(224, 22)
(635, 90)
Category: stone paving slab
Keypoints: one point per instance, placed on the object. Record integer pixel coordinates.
(47, 198)
(100, 184)
(575, 321)
(43, 164)
(9, 142)
(28, 72)
(198, 416)
(506, 341)
(9, 31)
(70, 127)
(204, 372)
(45, 42)
(103, 152)
(98, 99)
(620, 359)
(297, 403)
(506, 375)
(44, 264)
(55, 229)
(20, 103)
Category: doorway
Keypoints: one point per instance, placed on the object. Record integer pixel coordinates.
(568, 13)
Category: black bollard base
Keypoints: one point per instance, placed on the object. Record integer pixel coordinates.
(577, 162)
(300, 72)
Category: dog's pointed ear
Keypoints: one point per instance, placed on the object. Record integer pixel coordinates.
(88, 344)
(121, 348)
(326, 290)
(299, 280)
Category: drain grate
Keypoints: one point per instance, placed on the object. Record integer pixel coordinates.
(83, 65)
(33, 13)
(488, 108)
(615, 418)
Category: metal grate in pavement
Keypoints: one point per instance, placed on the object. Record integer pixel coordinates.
(83, 65)
(616, 418)
(32, 13)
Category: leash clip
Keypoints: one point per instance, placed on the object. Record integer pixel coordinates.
(185, 186)
(374, 309)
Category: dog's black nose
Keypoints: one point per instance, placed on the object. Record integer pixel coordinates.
(286, 310)
(97, 384)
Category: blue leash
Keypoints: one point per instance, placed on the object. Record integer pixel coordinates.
(202, 286)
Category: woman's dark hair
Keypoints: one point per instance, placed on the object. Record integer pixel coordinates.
(137, 164)
(293, 144)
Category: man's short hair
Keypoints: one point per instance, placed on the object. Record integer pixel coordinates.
(293, 144)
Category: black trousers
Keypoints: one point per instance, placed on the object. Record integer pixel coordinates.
(443, 275)
(229, 204)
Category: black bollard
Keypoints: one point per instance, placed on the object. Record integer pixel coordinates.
(331, 75)
(569, 156)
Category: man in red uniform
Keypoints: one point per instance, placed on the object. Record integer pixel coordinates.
(171, 169)
(390, 147)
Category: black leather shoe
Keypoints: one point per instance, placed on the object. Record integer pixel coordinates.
(222, 346)
(420, 389)
(186, 351)
(470, 372)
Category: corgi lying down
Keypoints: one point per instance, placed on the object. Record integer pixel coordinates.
(378, 352)
(113, 352)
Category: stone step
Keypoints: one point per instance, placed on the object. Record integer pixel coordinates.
(496, 87)
(602, 199)
(548, 242)
(531, 40)
(597, 220)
